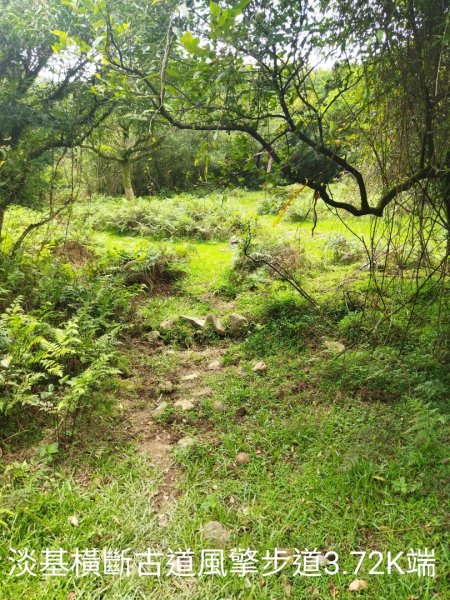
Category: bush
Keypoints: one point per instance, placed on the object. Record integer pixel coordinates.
(344, 251)
(55, 370)
(280, 254)
(152, 268)
(204, 219)
(58, 349)
(271, 205)
(381, 374)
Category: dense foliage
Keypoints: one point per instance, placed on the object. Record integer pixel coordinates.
(224, 227)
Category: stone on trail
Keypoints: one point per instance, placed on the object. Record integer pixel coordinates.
(205, 392)
(184, 405)
(215, 324)
(159, 452)
(359, 585)
(73, 520)
(242, 458)
(214, 365)
(186, 442)
(163, 519)
(190, 377)
(166, 387)
(153, 336)
(218, 405)
(159, 410)
(260, 367)
(334, 346)
(238, 324)
(167, 324)
(216, 533)
(195, 321)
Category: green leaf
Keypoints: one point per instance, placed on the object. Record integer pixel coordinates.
(61, 34)
(214, 9)
(241, 5)
(191, 44)
(381, 35)
(53, 448)
(119, 29)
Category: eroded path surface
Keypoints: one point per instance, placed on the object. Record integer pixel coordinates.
(166, 390)
(162, 400)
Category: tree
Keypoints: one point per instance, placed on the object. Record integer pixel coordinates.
(46, 99)
(123, 141)
(252, 66)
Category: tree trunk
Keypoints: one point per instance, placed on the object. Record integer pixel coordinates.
(445, 186)
(127, 181)
(2, 218)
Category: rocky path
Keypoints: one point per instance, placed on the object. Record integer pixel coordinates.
(157, 408)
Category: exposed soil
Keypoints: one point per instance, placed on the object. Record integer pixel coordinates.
(75, 252)
(155, 438)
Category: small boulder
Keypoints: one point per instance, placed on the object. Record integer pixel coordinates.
(184, 405)
(153, 336)
(322, 560)
(259, 367)
(334, 346)
(195, 321)
(73, 520)
(205, 392)
(190, 377)
(215, 324)
(167, 324)
(186, 442)
(358, 585)
(238, 324)
(166, 387)
(219, 406)
(214, 365)
(216, 533)
(159, 410)
(242, 458)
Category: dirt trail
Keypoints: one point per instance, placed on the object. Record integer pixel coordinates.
(158, 438)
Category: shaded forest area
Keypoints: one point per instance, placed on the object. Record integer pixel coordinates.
(224, 299)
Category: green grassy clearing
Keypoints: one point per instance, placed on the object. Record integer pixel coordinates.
(337, 463)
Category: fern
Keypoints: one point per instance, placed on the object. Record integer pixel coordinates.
(54, 369)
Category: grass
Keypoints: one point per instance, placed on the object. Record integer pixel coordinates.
(335, 464)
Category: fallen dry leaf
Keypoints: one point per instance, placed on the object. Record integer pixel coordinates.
(333, 589)
(287, 587)
(313, 591)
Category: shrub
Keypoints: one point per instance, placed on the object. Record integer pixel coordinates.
(202, 219)
(344, 251)
(58, 349)
(280, 254)
(381, 373)
(270, 205)
(152, 268)
(55, 370)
